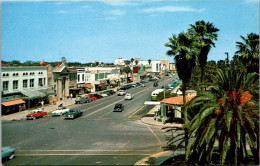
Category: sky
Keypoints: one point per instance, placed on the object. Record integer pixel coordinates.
(105, 30)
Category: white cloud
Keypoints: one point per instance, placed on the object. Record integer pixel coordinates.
(62, 12)
(171, 9)
(116, 12)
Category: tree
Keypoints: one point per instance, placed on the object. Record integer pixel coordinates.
(227, 115)
(96, 63)
(149, 61)
(203, 34)
(136, 62)
(168, 94)
(249, 52)
(182, 51)
(15, 63)
(132, 60)
(127, 62)
(127, 70)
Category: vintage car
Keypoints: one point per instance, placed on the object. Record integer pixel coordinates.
(8, 152)
(82, 99)
(73, 113)
(36, 114)
(105, 94)
(119, 107)
(111, 91)
(60, 111)
(121, 93)
(129, 96)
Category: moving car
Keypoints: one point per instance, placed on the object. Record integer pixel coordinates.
(119, 107)
(8, 152)
(123, 88)
(73, 113)
(36, 114)
(82, 99)
(121, 93)
(129, 96)
(60, 111)
(128, 86)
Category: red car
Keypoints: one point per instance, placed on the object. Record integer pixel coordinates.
(91, 96)
(36, 114)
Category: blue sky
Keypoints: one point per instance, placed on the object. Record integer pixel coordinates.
(104, 30)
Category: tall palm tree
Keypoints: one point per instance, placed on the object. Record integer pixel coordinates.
(182, 51)
(204, 34)
(149, 61)
(127, 70)
(132, 60)
(249, 52)
(136, 62)
(227, 117)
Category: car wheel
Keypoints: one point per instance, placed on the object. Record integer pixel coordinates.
(34, 118)
(11, 156)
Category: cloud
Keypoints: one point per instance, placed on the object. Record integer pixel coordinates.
(62, 12)
(116, 12)
(171, 9)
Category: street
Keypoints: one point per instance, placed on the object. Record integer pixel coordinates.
(99, 137)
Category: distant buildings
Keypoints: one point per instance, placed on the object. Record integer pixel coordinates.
(120, 61)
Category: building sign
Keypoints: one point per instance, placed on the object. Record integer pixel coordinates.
(135, 69)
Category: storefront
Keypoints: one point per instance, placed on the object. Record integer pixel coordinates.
(89, 87)
(34, 98)
(13, 106)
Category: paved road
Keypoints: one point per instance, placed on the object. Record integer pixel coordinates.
(99, 137)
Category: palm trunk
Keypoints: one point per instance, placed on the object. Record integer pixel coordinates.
(186, 125)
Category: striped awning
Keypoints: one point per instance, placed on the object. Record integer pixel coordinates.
(33, 94)
(13, 102)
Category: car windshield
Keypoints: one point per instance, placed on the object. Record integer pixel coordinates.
(118, 106)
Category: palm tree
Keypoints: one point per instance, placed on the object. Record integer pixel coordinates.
(182, 51)
(127, 62)
(127, 70)
(203, 34)
(226, 116)
(132, 60)
(149, 61)
(136, 62)
(249, 52)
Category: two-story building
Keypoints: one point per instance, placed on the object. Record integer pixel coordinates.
(23, 87)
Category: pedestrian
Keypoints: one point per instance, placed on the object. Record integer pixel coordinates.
(71, 96)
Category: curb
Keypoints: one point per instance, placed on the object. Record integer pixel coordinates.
(156, 159)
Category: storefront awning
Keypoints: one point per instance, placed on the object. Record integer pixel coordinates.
(13, 102)
(89, 86)
(75, 89)
(33, 94)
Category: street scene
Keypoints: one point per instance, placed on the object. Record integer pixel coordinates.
(130, 82)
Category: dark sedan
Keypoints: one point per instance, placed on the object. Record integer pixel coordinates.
(73, 113)
(111, 92)
(119, 107)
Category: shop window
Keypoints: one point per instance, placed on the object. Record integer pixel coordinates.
(40, 82)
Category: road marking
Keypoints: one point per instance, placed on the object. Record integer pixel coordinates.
(80, 150)
(136, 111)
(154, 134)
(83, 154)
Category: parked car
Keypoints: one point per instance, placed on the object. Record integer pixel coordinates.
(123, 88)
(129, 96)
(8, 152)
(111, 91)
(82, 99)
(137, 84)
(133, 85)
(92, 98)
(119, 107)
(60, 111)
(128, 86)
(73, 113)
(95, 96)
(105, 93)
(121, 93)
(36, 114)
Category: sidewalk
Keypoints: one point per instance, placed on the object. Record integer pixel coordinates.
(151, 121)
(47, 108)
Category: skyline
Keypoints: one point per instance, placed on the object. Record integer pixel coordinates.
(104, 30)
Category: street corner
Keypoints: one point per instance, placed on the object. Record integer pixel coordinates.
(156, 159)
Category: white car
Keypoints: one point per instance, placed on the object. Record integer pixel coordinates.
(60, 111)
(121, 93)
(129, 96)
